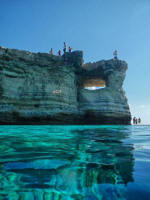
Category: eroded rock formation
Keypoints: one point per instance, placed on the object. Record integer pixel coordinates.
(38, 88)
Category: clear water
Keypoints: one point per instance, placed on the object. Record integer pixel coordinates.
(74, 162)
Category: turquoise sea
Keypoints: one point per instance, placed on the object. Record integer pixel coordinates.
(74, 162)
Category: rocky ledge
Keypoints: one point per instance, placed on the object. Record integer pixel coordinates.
(39, 88)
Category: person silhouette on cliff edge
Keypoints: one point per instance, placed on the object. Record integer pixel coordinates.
(51, 52)
(59, 53)
(115, 53)
(69, 48)
(64, 49)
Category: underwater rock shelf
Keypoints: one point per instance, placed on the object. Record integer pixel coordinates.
(39, 88)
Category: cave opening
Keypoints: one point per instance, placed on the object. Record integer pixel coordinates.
(94, 84)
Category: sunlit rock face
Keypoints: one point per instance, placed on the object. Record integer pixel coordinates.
(38, 88)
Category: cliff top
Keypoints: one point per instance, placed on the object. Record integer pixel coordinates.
(74, 58)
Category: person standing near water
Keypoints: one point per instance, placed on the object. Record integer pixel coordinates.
(134, 120)
(139, 120)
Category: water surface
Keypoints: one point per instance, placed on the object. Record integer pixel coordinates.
(74, 162)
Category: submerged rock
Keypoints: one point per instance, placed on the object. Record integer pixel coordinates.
(39, 88)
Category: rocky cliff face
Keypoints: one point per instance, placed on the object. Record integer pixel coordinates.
(37, 88)
(109, 104)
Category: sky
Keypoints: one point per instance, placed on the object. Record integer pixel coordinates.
(95, 26)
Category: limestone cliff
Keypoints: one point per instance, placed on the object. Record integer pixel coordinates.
(38, 88)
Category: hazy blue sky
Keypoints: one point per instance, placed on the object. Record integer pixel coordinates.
(95, 26)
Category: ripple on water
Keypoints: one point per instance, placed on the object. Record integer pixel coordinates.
(74, 162)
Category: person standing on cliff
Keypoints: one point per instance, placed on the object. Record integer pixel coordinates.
(59, 53)
(51, 52)
(64, 49)
(69, 49)
(115, 53)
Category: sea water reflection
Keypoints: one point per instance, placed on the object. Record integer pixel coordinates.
(66, 162)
